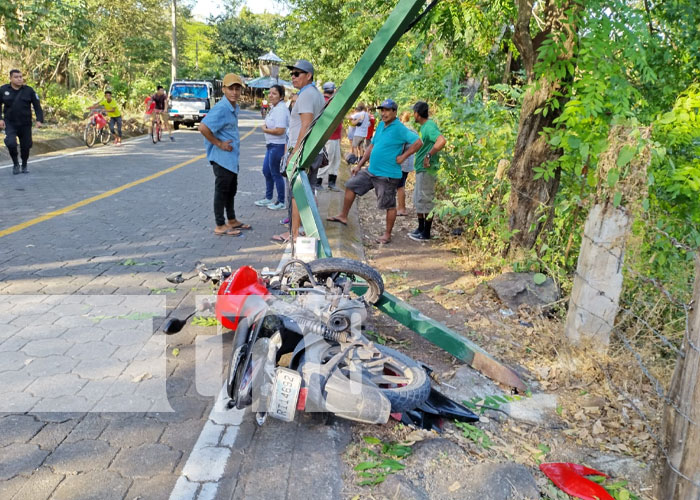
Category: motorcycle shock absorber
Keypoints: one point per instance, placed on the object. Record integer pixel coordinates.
(318, 328)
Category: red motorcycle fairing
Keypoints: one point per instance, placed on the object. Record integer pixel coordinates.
(233, 293)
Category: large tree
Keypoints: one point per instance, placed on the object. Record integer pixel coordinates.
(531, 196)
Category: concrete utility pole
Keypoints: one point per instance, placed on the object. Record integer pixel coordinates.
(173, 47)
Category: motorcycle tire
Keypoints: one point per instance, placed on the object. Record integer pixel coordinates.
(334, 267)
(412, 395)
(105, 135)
(89, 135)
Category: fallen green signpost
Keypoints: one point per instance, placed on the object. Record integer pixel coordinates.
(401, 18)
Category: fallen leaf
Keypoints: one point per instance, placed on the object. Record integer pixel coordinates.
(598, 428)
(454, 487)
(176, 351)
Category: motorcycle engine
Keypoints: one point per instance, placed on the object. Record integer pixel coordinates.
(338, 311)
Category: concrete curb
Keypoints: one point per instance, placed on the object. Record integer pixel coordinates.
(345, 241)
(53, 145)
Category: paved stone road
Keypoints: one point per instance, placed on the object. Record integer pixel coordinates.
(86, 388)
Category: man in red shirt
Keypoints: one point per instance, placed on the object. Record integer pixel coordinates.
(332, 147)
(370, 130)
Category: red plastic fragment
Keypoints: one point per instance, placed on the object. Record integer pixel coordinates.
(569, 478)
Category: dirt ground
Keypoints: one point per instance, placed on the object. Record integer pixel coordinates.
(589, 424)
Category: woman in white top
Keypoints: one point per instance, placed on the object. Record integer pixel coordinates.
(275, 128)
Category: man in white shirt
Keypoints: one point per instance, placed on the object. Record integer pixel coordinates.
(309, 105)
(361, 121)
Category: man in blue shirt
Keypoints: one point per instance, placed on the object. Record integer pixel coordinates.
(222, 142)
(386, 153)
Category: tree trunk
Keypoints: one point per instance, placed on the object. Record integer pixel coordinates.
(173, 46)
(682, 427)
(531, 198)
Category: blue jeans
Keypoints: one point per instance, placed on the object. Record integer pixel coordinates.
(271, 171)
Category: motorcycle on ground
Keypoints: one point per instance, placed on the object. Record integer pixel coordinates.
(299, 343)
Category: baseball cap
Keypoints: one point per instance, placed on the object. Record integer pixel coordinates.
(303, 65)
(232, 79)
(388, 104)
(328, 87)
(421, 107)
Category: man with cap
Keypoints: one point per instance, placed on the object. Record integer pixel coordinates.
(385, 154)
(16, 101)
(426, 165)
(332, 146)
(222, 143)
(308, 106)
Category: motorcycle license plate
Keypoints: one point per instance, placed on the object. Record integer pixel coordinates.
(283, 403)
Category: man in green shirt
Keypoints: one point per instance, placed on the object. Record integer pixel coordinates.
(386, 153)
(114, 114)
(426, 166)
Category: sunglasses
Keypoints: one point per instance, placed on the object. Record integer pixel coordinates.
(297, 73)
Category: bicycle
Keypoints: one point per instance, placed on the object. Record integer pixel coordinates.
(156, 128)
(96, 128)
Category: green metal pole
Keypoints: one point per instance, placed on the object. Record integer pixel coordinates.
(387, 37)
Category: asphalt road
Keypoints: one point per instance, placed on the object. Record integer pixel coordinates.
(93, 403)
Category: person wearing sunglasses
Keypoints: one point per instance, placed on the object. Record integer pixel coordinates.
(308, 106)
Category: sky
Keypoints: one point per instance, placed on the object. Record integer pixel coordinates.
(204, 8)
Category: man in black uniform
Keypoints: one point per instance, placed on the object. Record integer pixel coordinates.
(16, 101)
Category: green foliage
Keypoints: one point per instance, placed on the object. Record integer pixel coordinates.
(475, 434)
(239, 39)
(494, 402)
(205, 321)
(382, 459)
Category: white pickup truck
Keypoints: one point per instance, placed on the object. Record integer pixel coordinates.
(191, 100)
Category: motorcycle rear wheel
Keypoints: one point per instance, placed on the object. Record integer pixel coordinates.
(403, 397)
(105, 135)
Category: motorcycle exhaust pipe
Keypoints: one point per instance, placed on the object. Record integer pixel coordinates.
(365, 404)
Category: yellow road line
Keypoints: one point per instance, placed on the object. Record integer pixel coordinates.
(106, 194)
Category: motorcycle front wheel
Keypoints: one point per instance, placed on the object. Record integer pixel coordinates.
(89, 135)
(340, 270)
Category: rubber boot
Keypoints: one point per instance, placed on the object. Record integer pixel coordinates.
(426, 228)
(421, 225)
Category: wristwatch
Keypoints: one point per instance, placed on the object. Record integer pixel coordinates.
(428, 155)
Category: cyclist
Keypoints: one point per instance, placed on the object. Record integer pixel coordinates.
(160, 98)
(114, 114)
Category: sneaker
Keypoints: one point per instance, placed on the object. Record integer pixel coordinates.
(263, 203)
(15, 169)
(418, 237)
(415, 232)
(277, 206)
